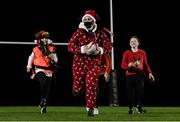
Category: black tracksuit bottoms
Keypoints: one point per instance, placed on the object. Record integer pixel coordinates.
(135, 90)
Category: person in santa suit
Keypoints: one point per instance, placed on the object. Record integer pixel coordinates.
(41, 62)
(135, 63)
(87, 44)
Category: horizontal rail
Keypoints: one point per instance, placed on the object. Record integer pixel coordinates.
(27, 43)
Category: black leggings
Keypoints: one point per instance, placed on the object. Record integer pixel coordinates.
(135, 88)
(45, 84)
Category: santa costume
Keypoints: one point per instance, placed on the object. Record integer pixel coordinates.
(87, 44)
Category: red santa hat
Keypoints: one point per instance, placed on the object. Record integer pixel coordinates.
(90, 13)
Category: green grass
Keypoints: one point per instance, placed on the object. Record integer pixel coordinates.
(58, 113)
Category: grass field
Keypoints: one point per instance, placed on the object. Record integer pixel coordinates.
(59, 113)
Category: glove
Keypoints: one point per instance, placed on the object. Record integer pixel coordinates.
(90, 48)
(97, 51)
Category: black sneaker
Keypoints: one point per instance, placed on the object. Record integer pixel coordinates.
(75, 94)
(42, 106)
(91, 112)
(140, 110)
(43, 110)
(130, 111)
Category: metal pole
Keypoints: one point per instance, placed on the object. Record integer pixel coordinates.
(114, 100)
(111, 28)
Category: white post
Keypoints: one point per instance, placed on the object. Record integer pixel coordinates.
(114, 100)
(111, 28)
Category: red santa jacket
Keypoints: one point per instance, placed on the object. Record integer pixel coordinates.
(81, 37)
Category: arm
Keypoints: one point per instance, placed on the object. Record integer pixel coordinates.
(125, 65)
(30, 61)
(108, 63)
(108, 67)
(146, 65)
(147, 68)
(53, 55)
(74, 45)
(106, 47)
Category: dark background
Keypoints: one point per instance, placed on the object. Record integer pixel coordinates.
(156, 23)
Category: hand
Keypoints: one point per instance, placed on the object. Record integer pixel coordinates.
(29, 68)
(137, 64)
(97, 51)
(32, 76)
(51, 56)
(131, 64)
(151, 77)
(90, 48)
(106, 76)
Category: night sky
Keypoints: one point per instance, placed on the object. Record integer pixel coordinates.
(156, 23)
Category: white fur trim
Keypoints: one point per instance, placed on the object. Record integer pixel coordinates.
(88, 16)
(101, 50)
(81, 25)
(95, 28)
(83, 49)
(95, 112)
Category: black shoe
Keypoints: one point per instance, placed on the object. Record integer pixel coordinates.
(91, 112)
(130, 111)
(75, 94)
(42, 106)
(140, 110)
(43, 110)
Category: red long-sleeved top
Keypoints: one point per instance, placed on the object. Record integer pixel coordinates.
(106, 62)
(130, 56)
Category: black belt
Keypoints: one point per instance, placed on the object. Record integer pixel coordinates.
(136, 70)
(43, 67)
